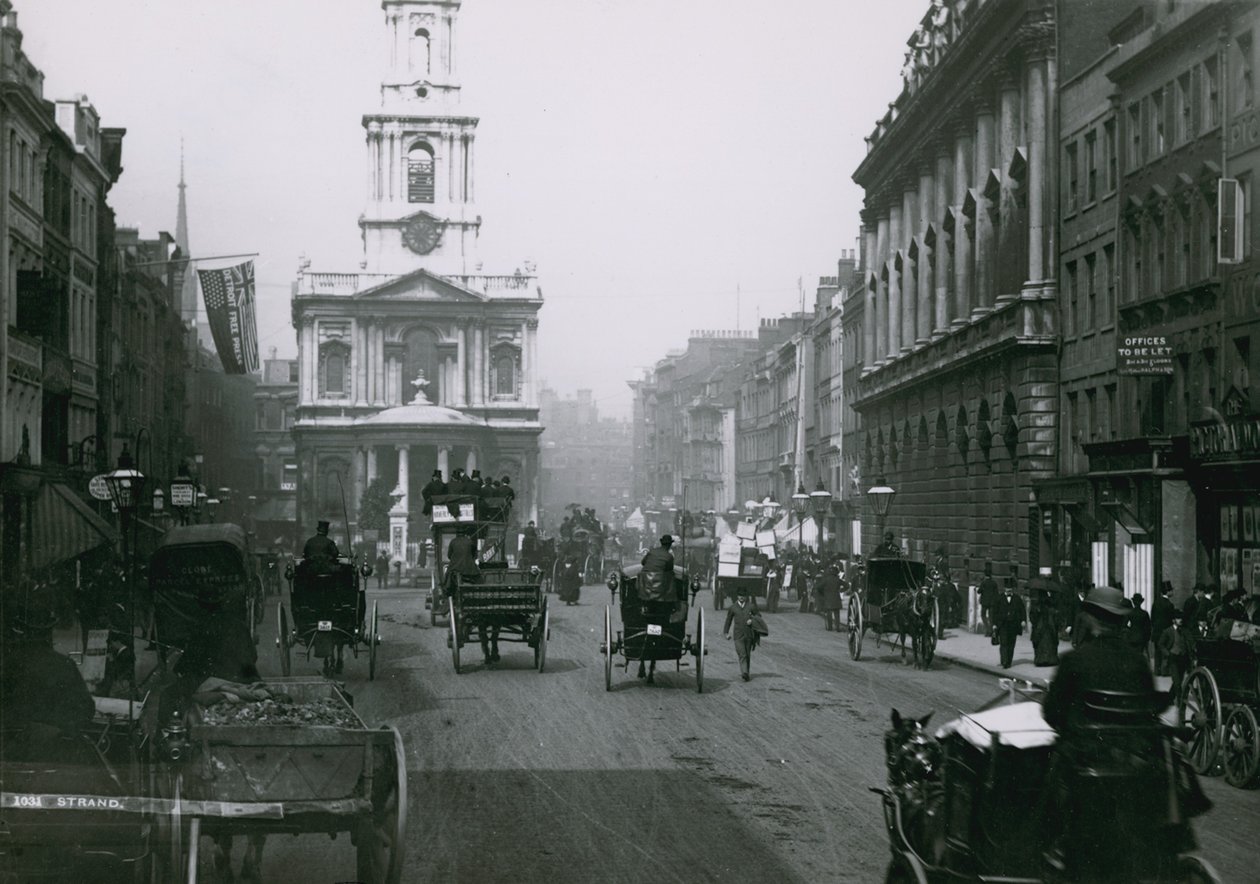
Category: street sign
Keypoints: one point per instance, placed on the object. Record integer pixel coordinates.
(182, 493)
(97, 487)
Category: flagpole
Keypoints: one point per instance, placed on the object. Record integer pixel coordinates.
(193, 260)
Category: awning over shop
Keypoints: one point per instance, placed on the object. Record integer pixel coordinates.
(64, 527)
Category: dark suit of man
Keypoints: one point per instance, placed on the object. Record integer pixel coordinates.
(1106, 663)
(739, 626)
(989, 596)
(435, 487)
(1161, 618)
(1008, 620)
(829, 587)
(1138, 631)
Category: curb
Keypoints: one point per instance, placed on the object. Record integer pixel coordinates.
(990, 669)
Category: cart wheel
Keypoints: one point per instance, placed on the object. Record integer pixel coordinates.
(282, 640)
(454, 627)
(608, 649)
(772, 601)
(372, 640)
(854, 624)
(700, 651)
(906, 868)
(555, 574)
(250, 605)
(380, 842)
(544, 630)
(175, 823)
(194, 851)
(1201, 712)
(1241, 747)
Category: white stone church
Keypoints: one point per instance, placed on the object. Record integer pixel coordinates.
(418, 360)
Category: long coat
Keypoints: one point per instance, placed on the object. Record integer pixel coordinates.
(829, 589)
(1008, 614)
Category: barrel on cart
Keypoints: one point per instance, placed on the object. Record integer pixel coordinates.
(300, 762)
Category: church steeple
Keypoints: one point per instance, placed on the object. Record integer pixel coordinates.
(421, 210)
(188, 294)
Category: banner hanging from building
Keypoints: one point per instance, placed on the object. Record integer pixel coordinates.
(229, 296)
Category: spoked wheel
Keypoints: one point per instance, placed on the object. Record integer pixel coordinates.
(855, 628)
(379, 842)
(1193, 869)
(1241, 747)
(608, 650)
(700, 651)
(251, 604)
(906, 868)
(372, 640)
(1201, 712)
(544, 630)
(282, 640)
(454, 637)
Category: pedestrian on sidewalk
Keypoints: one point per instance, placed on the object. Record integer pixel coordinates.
(989, 595)
(829, 589)
(1045, 628)
(1009, 622)
(1174, 644)
(1137, 632)
(748, 627)
(1161, 618)
(382, 570)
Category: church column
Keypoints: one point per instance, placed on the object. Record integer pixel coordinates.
(964, 297)
(306, 354)
(479, 364)
(1040, 224)
(894, 282)
(360, 478)
(369, 354)
(940, 300)
(402, 167)
(356, 360)
(379, 362)
(461, 367)
(312, 368)
(472, 166)
(444, 462)
(450, 167)
(470, 460)
(371, 162)
(927, 209)
(371, 464)
(984, 224)
(530, 372)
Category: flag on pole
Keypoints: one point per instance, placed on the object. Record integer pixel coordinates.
(229, 296)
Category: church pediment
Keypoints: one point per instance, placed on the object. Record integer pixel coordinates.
(421, 285)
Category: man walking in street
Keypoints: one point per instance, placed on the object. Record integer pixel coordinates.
(1161, 618)
(829, 589)
(1137, 632)
(743, 616)
(988, 592)
(382, 569)
(1009, 622)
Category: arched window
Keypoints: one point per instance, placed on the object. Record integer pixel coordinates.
(333, 475)
(334, 369)
(505, 374)
(420, 173)
(420, 55)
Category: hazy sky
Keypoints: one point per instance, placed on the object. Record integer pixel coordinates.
(649, 155)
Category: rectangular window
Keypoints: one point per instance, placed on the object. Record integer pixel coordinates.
(1157, 122)
(1069, 320)
(1112, 429)
(1091, 300)
(1155, 239)
(1244, 75)
(1183, 108)
(1211, 100)
(1109, 285)
(1135, 135)
(1071, 178)
(1180, 247)
(1091, 167)
(1133, 284)
(1109, 154)
(1244, 181)
(1070, 431)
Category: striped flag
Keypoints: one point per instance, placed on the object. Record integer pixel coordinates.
(229, 296)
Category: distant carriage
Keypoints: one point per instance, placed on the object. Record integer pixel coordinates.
(893, 599)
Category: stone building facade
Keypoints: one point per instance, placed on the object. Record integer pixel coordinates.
(417, 360)
(585, 459)
(958, 394)
(274, 513)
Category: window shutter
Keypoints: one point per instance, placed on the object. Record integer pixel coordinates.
(1229, 221)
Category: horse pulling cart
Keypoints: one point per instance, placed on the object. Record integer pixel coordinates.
(1111, 805)
(300, 762)
(482, 518)
(1220, 702)
(654, 623)
(329, 606)
(894, 599)
(503, 603)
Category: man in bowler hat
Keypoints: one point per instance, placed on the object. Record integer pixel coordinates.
(742, 625)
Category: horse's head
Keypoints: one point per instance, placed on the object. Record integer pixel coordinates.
(911, 753)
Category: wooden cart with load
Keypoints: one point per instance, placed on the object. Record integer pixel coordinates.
(741, 564)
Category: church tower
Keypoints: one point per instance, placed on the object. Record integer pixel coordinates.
(420, 211)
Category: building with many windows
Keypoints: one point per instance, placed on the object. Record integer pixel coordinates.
(585, 459)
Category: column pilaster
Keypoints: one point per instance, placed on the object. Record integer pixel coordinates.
(943, 250)
(371, 464)
(894, 282)
(1009, 267)
(461, 367)
(983, 223)
(879, 317)
(479, 364)
(909, 264)
(1039, 223)
(869, 246)
(927, 257)
(444, 462)
(964, 296)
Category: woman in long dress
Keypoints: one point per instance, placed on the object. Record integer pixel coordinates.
(570, 582)
(1045, 630)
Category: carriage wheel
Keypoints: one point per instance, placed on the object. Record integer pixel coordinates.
(906, 868)
(1241, 747)
(372, 640)
(380, 840)
(454, 638)
(544, 630)
(555, 574)
(1201, 712)
(1192, 869)
(250, 604)
(854, 624)
(608, 649)
(282, 640)
(700, 651)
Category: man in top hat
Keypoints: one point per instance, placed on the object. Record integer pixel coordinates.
(1008, 620)
(660, 560)
(320, 548)
(1162, 611)
(889, 547)
(435, 487)
(506, 490)
(1138, 629)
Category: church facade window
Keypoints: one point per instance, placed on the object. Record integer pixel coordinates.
(505, 374)
(420, 174)
(334, 370)
(420, 51)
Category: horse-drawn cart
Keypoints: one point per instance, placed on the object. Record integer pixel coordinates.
(654, 623)
(1220, 702)
(502, 604)
(894, 599)
(300, 761)
(329, 608)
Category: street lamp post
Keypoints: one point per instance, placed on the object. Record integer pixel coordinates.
(880, 496)
(126, 485)
(820, 498)
(800, 505)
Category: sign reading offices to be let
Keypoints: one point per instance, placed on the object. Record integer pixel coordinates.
(1144, 355)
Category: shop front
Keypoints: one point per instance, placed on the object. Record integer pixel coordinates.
(1225, 470)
